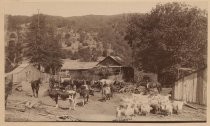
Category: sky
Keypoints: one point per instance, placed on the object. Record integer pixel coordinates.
(68, 8)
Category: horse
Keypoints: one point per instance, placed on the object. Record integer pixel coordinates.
(154, 84)
(35, 87)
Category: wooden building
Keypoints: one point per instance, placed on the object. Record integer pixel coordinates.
(75, 69)
(192, 88)
(24, 72)
(117, 68)
(108, 67)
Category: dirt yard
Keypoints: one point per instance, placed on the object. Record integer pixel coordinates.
(95, 110)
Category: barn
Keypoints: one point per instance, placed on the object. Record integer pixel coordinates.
(25, 72)
(192, 88)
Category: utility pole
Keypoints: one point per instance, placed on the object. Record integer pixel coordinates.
(38, 18)
(39, 67)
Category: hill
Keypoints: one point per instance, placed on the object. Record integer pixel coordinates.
(82, 37)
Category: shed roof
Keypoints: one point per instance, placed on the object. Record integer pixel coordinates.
(18, 69)
(77, 65)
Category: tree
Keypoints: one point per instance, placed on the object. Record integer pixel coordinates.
(42, 45)
(53, 52)
(85, 54)
(14, 50)
(171, 35)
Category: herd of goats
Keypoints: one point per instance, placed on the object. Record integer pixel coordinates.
(78, 91)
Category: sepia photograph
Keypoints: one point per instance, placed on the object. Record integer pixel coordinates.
(108, 61)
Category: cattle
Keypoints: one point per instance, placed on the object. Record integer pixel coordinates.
(35, 87)
(72, 101)
(56, 92)
(84, 92)
(53, 93)
(65, 83)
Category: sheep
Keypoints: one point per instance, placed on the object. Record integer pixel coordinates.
(129, 111)
(177, 106)
(164, 99)
(137, 109)
(126, 110)
(155, 104)
(145, 109)
(120, 112)
(166, 108)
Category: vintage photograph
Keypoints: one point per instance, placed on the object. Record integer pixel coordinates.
(137, 61)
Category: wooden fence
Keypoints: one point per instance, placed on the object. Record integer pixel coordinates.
(192, 88)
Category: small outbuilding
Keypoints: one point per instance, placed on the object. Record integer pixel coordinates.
(25, 72)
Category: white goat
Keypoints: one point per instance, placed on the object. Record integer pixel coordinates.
(166, 108)
(177, 106)
(145, 109)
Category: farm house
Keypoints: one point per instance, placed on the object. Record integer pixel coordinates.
(95, 70)
(117, 68)
(25, 72)
(192, 88)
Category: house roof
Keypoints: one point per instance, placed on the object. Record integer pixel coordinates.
(18, 69)
(99, 59)
(115, 58)
(118, 59)
(76, 65)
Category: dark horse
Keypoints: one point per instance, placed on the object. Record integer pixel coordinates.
(35, 87)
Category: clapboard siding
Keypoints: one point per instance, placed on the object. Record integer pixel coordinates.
(192, 88)
(29, 73)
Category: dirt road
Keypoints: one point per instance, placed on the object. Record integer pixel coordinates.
(95, 110)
